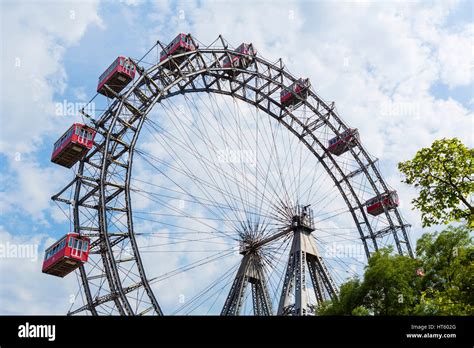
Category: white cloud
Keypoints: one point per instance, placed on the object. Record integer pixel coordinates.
(24, 289)
(29, 190)
(80, 94)
(455, 53)
(131, 2)
(34, 39)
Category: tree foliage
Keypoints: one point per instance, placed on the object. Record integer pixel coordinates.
(444, 175)
(349, 301)
(439, 282)
(391, 284)
(449, 277)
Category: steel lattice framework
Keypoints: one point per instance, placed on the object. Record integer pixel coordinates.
(102, 193)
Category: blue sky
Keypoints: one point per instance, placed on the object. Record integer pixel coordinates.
(363, 55)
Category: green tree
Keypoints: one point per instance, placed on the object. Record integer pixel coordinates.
(444, 174)
(391, 284)
(349, 301)
(439, 282)
(390, 287)
(447, 258)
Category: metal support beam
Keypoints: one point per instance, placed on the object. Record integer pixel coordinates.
(304, 256)
(250, 271)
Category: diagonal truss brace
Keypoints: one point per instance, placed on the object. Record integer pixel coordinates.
(304, 256)
(250, 271)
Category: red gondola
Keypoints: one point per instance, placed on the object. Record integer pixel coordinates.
(73, 145)
(237, 61)
(66, 255)
(300, 88)
(117, 76)
(377, 205)
(343, 142)
(180, 44)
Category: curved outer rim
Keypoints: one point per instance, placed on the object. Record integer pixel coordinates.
(153, 79)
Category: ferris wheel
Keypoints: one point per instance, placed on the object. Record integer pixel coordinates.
(215, 182)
